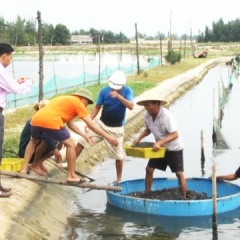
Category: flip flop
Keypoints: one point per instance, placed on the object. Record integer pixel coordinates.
(81, 181)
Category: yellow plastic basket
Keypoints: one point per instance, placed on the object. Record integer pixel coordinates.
(12, 164)
(144, 152)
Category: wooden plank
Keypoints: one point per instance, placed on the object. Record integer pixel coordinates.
(59, 182)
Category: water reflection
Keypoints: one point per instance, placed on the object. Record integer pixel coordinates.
(214, 227)
(120, 224)
(194, 113)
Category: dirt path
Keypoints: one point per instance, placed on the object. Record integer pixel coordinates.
(40, 210)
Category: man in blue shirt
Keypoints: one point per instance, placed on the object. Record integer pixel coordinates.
(113, 99)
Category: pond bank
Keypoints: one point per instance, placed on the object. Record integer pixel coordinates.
(39, 210)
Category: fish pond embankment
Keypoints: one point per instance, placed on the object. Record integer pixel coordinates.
(37, 210)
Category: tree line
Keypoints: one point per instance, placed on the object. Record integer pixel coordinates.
(24, 32)
(221, 32)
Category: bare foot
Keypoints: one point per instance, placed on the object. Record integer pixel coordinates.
(77, 179)
(43, 168)
(24, 171)
(38, 170)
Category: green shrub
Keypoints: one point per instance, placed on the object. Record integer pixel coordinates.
(173, 57)
(145, 74)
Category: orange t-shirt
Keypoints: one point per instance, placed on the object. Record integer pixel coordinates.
(59, 111)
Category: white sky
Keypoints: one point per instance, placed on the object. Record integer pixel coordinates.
(151, 16)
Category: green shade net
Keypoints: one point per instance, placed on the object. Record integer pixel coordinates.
(59, 85)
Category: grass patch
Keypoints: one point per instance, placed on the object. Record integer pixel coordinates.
(161, 73)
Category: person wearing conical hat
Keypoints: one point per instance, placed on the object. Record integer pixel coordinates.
(51, 120)
(161, 123)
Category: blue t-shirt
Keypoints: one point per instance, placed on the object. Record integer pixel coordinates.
(113, 111)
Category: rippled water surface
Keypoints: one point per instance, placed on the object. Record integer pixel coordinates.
(95, 219)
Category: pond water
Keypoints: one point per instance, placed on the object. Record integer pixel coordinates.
(95, 219)
(65, 72)
(71, 65)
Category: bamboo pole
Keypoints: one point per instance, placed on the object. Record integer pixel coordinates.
(202, 153)
(160, 39)
(214, 200)
(59, 182)
(214, 188)
(99, 60)
(185, 46)
(40, 45)
(55, 80)
(137, 50)
(214, 181)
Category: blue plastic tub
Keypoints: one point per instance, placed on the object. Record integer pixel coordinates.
(228, 198)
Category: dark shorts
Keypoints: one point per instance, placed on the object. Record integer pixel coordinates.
(238, 172)
(57, 134)
(173, 159)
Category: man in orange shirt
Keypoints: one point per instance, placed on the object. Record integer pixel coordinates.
(51, 120)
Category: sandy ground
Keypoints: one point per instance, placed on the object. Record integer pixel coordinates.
(38, 210)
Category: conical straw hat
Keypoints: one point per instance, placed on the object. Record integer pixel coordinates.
(151, 96)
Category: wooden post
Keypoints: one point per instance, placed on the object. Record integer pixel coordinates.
(214, 184)
(214, 200)
(99, 59)
(214, 134)
(40, 56)
(180, 47)
(84, 72)
(170, 33)
(160, 38)
(169, 45)
(185, 46)
(55, 80)
(191, 41)
(202, 154)
(137, 53)
(120, 59)
(214, 189)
